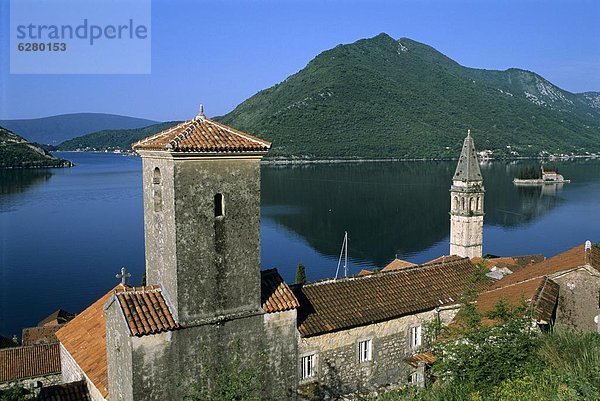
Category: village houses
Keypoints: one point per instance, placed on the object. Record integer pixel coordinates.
(207, 298)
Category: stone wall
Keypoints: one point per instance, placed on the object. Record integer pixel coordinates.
(578, 300)
(170, 365)
(208, 265)
(118, 353)
(338, 368)
(34, 382)
(71, 372)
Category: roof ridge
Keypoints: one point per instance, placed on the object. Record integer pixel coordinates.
(517, 283)
(159, 134)
(238, 133)
(382, 273)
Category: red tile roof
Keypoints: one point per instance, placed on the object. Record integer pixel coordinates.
(442, 259)
(40, 335)
(397, 264)
(74, 391)
(275, 295)
(345, 303)
(530, 283)
(85, 339)
(29, 362)
(145, 310)
(202, 135)
(426, 357)
(570, 259)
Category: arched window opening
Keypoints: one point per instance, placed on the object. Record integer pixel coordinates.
(156, 178)
(471, 204)
(219, 205)
(455, 204)
(463, 203)
(478, 203)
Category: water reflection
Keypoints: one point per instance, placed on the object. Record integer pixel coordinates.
(394, 209)
(20, 180)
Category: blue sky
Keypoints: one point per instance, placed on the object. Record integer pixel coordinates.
(221, 52)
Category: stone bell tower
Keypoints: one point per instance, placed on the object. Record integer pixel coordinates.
(466, 210)
(201, 182)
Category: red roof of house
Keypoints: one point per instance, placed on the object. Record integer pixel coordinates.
(275, 294)
(397, 264)
(85, 339)
(333, 305)
(145, 310)
(202, 134)
(530, 283)
(28, 362)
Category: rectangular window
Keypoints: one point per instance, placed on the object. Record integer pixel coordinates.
(365, 350)
(415, 378)
(309, 366)
(415, 337)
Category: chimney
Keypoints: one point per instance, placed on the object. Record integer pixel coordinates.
(588, 252)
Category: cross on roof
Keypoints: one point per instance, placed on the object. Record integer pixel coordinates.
(123, 276)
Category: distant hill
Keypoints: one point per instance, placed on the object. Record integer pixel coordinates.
(113, 139)
(16, 152)
(381, 97)
(56, 129)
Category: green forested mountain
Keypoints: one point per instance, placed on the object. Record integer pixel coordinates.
(16, 152)
(113, 139)
(381, 97)
(56, 129)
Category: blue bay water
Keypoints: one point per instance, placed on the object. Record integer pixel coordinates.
(65, 233)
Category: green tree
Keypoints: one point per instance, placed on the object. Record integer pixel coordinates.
(300, 274)
(15, 393)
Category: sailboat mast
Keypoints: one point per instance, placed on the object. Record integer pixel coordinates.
(346, 257)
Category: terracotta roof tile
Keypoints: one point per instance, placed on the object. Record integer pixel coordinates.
(540, 293)
(341, 304)
(275, 294)
(570, 259)
(202, 135)
(442, 259)
(84, 338)
(532, 284)
(40, 335)
(74, 391)
(28, 362)
(145, 310)
(426, 357)
(397, 264)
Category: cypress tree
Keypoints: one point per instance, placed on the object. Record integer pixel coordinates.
(300, 274)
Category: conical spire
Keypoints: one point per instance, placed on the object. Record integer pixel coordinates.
(468, 164)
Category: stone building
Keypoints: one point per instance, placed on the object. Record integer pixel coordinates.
(562, 291)
(207, 301)
(466, 204)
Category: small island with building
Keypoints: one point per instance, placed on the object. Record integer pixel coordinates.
(542, 176)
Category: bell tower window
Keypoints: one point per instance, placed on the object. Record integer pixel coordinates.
(219, 205)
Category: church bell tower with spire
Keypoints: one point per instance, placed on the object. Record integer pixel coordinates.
(466, 209)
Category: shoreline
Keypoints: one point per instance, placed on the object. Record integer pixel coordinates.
(295, 161)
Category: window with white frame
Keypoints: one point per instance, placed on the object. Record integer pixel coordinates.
(415, 378)
(365, 350)
(415, 336)
(309, 366)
